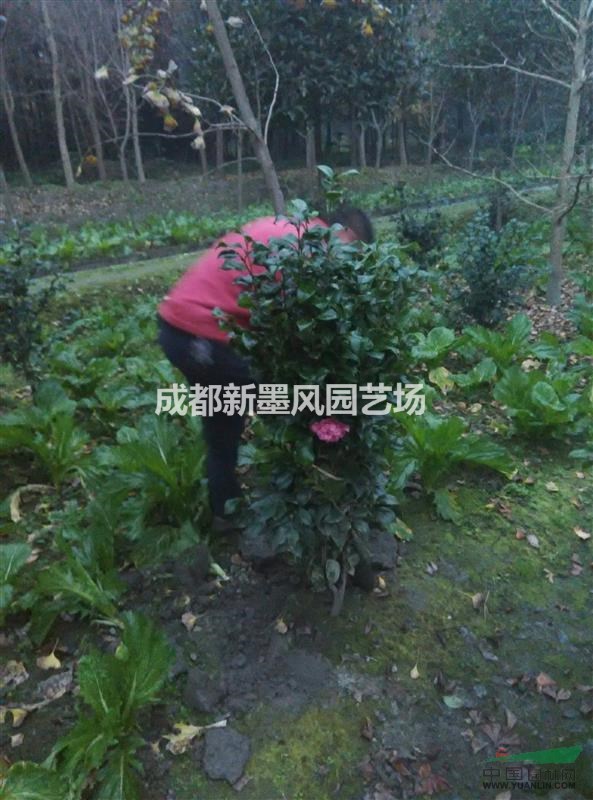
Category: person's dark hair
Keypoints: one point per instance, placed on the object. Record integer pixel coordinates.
(355, 219)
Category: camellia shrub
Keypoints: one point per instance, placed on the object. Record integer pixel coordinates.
(318, 486)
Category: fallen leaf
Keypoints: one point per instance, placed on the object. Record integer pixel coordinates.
(432, 568)
(453, 701)
(563, 694)
(543, 680)
(281, 626)
(17, 739)
(550, 691)
(549, 575)
(381, 583)
(430, 783)
(414, 673)
(533, 540)
(492, 731)
(18, 716)
(15, 498)
(477, 600)
(529, 480)
(510, 719)
(580, 475)
(475, 407)
(520, 534)
(551, 486)
(189, 620)
(576, 566)
(366, 730)
(242, 783)
(179, 742)
(50, 661)
(583, 535)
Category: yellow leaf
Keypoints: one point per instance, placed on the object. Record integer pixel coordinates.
(583, 535)
(551, 486)
(281, 626)
(179, 742)
(18, 716)
(189, 620)
(49, 662)
(381, 584)
(415, 673)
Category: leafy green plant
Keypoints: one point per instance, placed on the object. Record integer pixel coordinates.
(491, 269)
(483, 372)
(434, 446)
(433, 346)
(27, 780)
(424, 231)
(503, 347)
(23, 301)
(13, 557)
(48, 430)
(582, 315)
(538, 403)
(156, 482)
(109, 239)
(334, 318)
(101, 747)
(333, 185)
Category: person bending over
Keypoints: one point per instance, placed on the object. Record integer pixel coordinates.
(194, 342)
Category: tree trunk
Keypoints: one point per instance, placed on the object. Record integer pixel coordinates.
(362, 155)
(240, 170)
(57, 92)
(219, 139)
(379, 147)
(8, 102)
(96, 136)
(260, 146)
(353, 144)
(10, 213)
(474, 141)
(554, 288)
(136, 140)
(403, 150)
(311, 154)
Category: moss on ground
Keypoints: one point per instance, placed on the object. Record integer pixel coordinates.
(535, 618)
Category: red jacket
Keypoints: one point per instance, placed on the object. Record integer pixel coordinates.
(205, 286)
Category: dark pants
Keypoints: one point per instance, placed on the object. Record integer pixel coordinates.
(208, 362)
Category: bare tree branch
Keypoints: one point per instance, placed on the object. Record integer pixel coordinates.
(506, 65)
(561, 14)
(276, 78)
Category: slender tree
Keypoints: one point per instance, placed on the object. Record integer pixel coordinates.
(259, 139)
(57, 96)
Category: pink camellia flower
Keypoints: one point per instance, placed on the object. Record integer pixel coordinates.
(329, 430)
